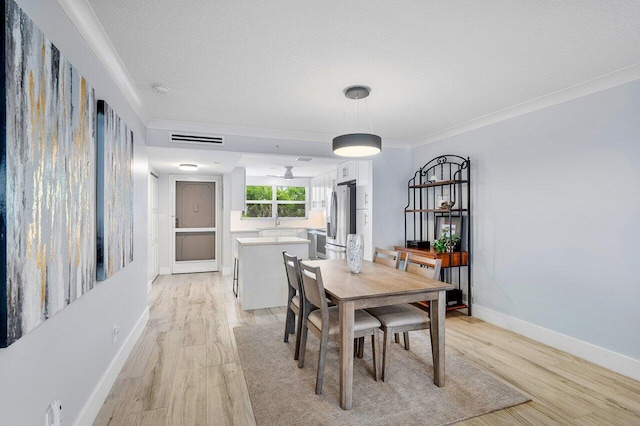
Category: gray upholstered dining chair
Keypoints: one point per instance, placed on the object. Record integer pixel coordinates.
(324, 322)
(294, 300)
(404, 318)
(386, 257)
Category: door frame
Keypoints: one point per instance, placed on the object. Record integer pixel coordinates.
(195, 265)
(154, 210)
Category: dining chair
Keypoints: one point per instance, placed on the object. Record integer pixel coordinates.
(294, 300)
(403, 318)
(386, 257)
(324, 322)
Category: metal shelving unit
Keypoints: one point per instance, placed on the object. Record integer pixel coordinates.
(439, 196)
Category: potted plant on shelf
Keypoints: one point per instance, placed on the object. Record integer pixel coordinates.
(447, 243)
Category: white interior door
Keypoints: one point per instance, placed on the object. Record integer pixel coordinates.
(154, 238)
(195, 238)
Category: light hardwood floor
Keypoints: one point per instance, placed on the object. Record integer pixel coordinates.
(184, 369)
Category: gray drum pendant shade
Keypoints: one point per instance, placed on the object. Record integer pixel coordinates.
(357, 144)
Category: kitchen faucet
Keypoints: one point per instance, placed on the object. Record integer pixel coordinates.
(277, 220)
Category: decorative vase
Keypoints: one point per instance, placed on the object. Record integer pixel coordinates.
(355, 252)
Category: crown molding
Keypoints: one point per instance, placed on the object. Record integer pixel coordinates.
(255, 132)
(607, 81)
(91, 30)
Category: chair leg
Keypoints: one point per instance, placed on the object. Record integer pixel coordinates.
(396, 337)
(322, 357)
(406, 340)
(375, 348)
(361, 347)
(298, 332)
(287, 324)
(303, 343)
(386, 353)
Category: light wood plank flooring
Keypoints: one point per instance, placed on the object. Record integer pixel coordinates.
(184, 370)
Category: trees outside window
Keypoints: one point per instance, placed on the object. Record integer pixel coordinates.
(272, 201)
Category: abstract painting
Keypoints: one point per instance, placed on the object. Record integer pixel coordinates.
(115, 192)
(47, 179)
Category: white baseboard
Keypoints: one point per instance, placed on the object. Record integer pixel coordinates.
(96, 399)
(164, 271)
(226, 271)
(606, 358)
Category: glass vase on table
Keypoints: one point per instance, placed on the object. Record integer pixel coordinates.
(355, 252)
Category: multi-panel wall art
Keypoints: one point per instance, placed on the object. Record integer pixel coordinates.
(47, 179)
(115, 193)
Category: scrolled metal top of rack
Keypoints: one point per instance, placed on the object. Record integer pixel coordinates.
(439, 183)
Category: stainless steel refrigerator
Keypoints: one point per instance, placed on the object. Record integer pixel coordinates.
(341, 219)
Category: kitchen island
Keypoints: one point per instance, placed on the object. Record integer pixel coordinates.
(262, 282)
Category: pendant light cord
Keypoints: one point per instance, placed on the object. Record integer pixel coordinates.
(344, 115)
(368, 115)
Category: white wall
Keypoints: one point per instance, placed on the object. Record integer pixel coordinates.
(556, 218)
(68, 354)
(391, 171)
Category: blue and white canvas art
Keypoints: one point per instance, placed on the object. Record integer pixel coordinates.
(115, 192)
(47, 179)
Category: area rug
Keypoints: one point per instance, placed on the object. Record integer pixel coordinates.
(283, 394)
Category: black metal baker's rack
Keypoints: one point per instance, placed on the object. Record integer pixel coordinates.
(440, 193)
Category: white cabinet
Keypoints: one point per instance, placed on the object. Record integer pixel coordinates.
(347, 171)
(363, 226)
(363, 185)
(313, 193)
(321, 187)
(328, 182)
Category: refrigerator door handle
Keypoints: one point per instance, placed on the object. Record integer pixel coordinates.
(332, 230)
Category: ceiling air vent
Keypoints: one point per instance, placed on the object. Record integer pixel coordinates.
(197, 138)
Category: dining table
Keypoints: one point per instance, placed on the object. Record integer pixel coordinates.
(379, 285)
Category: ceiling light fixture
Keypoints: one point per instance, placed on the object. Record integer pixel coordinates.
(189, 167)
(160, 89)
(357, 144)
(288, 174)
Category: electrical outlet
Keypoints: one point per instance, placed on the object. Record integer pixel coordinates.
(53, 416)
(114, 334)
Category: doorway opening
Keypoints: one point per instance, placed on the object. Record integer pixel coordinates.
(195, 237)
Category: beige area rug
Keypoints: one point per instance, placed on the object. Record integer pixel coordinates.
(283, 394)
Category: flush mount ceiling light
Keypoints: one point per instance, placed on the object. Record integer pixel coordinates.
(189, 167)
(160, 89)
(357, 144)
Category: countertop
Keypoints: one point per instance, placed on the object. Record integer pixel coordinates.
(256, 241)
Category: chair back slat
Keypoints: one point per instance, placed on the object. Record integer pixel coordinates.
(421, 265)
(292, 269)
(386, 257)
(313, 287)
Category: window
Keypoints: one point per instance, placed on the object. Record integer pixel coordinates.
(272, 201)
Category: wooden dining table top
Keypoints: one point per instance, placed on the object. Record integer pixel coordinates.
(374, 280)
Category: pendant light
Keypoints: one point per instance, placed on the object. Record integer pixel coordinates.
(357, 144)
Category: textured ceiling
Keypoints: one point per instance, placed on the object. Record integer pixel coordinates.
(432, 65)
